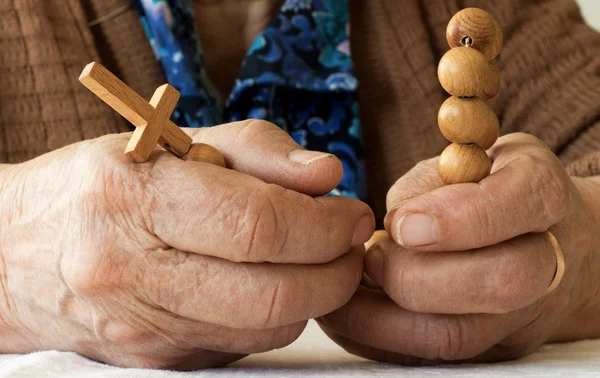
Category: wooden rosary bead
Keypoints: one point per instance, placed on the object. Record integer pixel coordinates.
(378, 235)
(463, 72)
(205, 153)
(466, 72)
(462, 163)
(475, 27)
(150, 119)
(468, 120)
(493, 83)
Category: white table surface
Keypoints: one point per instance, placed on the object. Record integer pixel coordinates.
(314, 355)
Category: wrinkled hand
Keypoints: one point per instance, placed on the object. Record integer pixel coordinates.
(466, 274)
(175, 264)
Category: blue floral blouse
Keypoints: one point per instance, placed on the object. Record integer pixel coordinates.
(298, 74)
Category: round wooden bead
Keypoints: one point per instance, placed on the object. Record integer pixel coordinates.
(461, 163)
(463, 72)
(468, 120)
(493, 83)
(475, 27)
(205, 153)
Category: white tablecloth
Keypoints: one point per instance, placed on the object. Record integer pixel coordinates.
(314, 355)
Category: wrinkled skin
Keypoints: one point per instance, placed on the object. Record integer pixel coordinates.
(471, 285)
(175, 264)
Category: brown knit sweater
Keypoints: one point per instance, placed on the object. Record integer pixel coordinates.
(550, 66)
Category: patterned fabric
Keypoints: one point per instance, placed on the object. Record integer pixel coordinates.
(298, 74)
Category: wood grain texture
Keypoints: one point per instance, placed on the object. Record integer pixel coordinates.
(463, 72)
(468, 120)
(493, 83)
(484, 32)
(205, 153)
(131, 106)
(463, 163)
(145, 137)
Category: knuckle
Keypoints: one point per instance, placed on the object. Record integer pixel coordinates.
(97, 152)
(552, 187)
(556, 194)
(112, 175)
(527, 138)
(480, 210)
(88, 274)
(117, 190)
(453, 341)
(122, 334)
(274, 304)
(262, 230)
(80, 278)
(254, 129)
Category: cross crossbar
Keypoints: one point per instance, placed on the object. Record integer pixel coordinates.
(150, 119)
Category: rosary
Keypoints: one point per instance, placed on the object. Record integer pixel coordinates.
(466, 72)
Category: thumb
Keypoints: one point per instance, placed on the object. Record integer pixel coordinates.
(421, 179)
(263, 150)
(527, 191)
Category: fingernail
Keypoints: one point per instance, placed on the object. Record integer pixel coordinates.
(363, 229)
(416, 230)
(307, 156)
(374, 261)
(390, 216)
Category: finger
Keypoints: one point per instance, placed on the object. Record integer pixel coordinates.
(231, 215)
(228, 214)
(264, 150)
(527, 191)
(234, 340)
(376, 354)
(372, 319)
(247, 296)
(496, 279)
(160, 340)
(494, 354)
(163, 359)
(161, 330)
(201, 359)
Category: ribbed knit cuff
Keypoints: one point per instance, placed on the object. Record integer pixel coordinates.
(589, 165)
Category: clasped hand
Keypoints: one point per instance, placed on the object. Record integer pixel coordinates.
(466, 276)
(185, 265)
(175, 264)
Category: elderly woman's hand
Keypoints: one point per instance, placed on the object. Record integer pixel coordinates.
(172, 263)
(467, 274)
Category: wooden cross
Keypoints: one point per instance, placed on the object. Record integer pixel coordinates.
(150, 119)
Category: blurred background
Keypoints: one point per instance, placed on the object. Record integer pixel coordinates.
(591, 12)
